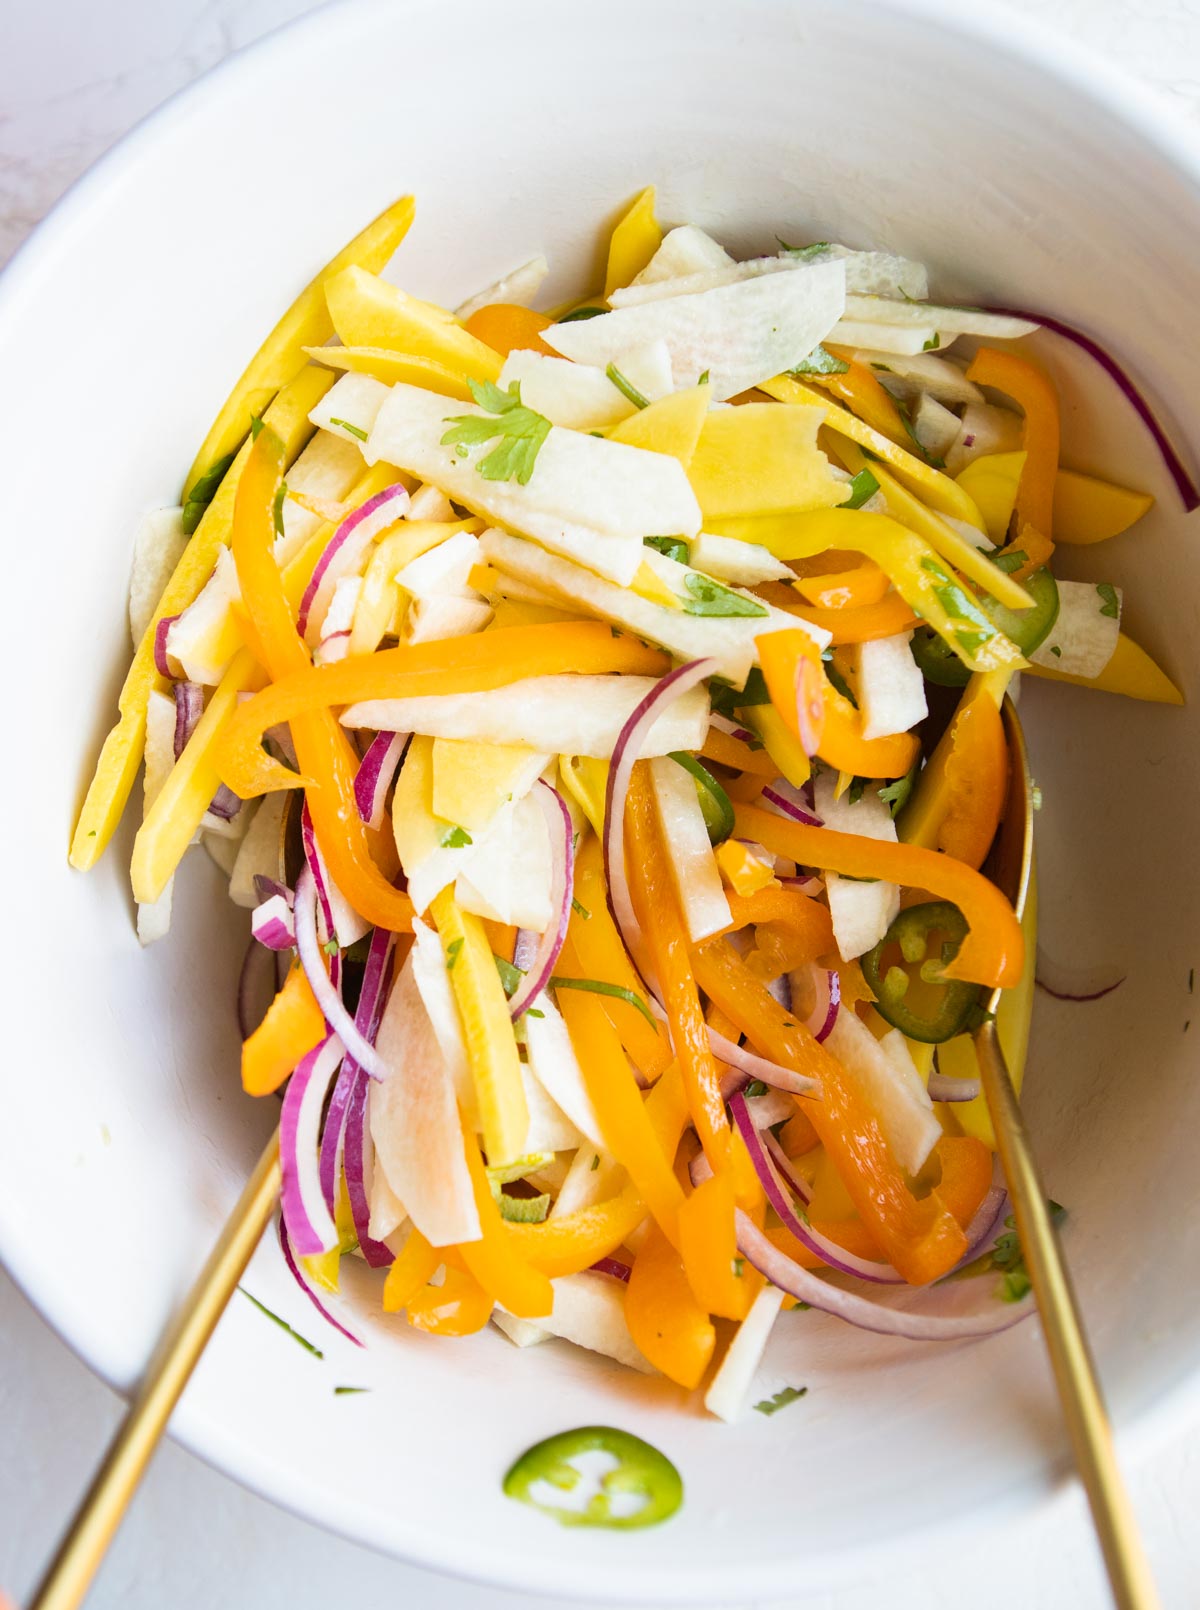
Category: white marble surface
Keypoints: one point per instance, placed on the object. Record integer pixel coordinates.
(73, 77)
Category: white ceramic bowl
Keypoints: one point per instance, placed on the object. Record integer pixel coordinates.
(1021, 174)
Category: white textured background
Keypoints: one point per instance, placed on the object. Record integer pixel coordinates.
(74, 75)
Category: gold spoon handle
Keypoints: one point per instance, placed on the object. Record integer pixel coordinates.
(1074, 1371)
(79, 1555)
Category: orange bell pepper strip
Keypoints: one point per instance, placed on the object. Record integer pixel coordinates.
(807, 919)
(450, 665)
(976, 782)
(798, 1135)
(887, 618)
(726, 750)
(293, 1026)
(966, 1175)
(323, 749)
(600, 953)
(458, 1307)
(1033, 389)
(721, 1282)
(665, 1320)
(993, 953)
(845, 589)
(851, 1235)
(787, 658)
(493, 1260)
(919, 1237)
(657, 907)
(504, 327)
(864, 396)
(618, 1102)
(414, 1268)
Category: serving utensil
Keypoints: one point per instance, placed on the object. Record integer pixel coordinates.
(1010, 866)
(75, 1564)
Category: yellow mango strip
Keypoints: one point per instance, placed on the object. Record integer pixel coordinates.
(494, 1260)
(368, 312)
(1088, 510)
(666, 1322)
(627, 1130)
(956, 1057)
(472, 780)
(181, 802)
(487, 1030)
(600, 953)
(671, 425)
(942, 538)
(394, 367)
(1131, 671)
(779, 742)
(413, 1269)
(918, 574)
(934, 488)
(306, 323)
(458, 665)
(294, 1024)
(121, 754)
(761, 459)
(380, 596)
(585, 778)
(634, 242)
(992, 480)
(940, 786)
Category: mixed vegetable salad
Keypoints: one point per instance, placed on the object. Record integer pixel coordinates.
(631, 678)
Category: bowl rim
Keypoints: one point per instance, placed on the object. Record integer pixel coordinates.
(1025, 42)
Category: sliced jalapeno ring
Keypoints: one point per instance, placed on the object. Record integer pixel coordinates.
(640, 1470)
(912, 994)
(1027, 628)
(937, 661)
(714, 801)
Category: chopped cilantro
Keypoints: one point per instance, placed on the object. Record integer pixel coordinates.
(595, 1163)
(456, 838)
(521, 432)
(673, 547)
(933, 343)
(331, 947)
(726, 700)
(277, 509)
(510, 976)
(862, 488)
(283, 1325)
(804, 253)
(1008, 562)
(837, 679)
(452, 953)
(703, 380)
(896, 795)
(857, 788)
(820, 362)
(202, 493)
(789, 1394)
(582, 313)
(356, 431)
(626, 387)
(580, 909)
(1056, 651)
(755, 1088)
(1110, 603)
(738, 1266)
(256, 424)
(597, 986)
(349, 1391)
(710, 598)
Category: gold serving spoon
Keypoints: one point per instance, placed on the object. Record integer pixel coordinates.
(70, 1573)
(1010, 866)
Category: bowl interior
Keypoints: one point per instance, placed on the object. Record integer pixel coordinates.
(521, 128)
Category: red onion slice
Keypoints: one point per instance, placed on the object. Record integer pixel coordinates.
(942, 1087)
(347, 545)
(792, 1177)
(161, 663)
(359, 1161)
(265, 887)
(309, 1221)
(271, 924)
(339, 920)
(1184, 483)
(189, 707)
(1075, 984)
(327, 995)
(810, 886)
(372, 997)
(374, 776)
(626, 752)
(824, 1015)
(785, 800)
(307, 1287)
(828, 1251)
(224, 803)
(613, 1267)
(745, 1065)
(988, 1222)
(562, 881)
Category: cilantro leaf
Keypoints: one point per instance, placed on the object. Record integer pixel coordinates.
(862, 488)
(456, 838)
(857, 788)
(521, 432)
(626, 387)
(804, 254)
(710, 598)
(1008, 1258)
(510, 976)
(781, 1399)
(582, 313)
(452, 953)
(672, 547)
(896, 795)
(727, 701)
(203, 491)
(356, 431)
(1110, 604)
(837, 679)
(820, 362)
(277, 510)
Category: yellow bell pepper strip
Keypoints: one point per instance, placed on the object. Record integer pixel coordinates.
(487, 1029)
(293, 1026)
(992, 480)
(369, 312)
(721, 1282)
(918, 574)
(495, 1259)
(888, 618)
(726, 750)
(657, 907)
(860, 390)
(121, 754)
(327, 760)
(635, 239)
(458, 1307)
(1034, 391)
(600, 953)
(993, 953)
(306, 323)
(670, 425)
(844, 589)
(666, 1322)
(504, 327)
(930, 485)
(806, 920)
(919, 1237)
(946, 785)
(1088, 510)
(413, 1269)
(780, 743)
(1131, 671)
(760, 459)
(456, 665)
(837, 731)
(394, 367)
(618, 1103)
